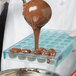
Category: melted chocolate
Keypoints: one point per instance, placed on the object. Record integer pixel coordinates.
(37, 13)
(52, 52)
(37, 51)
(45, 53)
(42, 49)
(15, 50)
(48, 59)
(25, 50)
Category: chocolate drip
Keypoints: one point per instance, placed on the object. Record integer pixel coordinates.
(36, 37)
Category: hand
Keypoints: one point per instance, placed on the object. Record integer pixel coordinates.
(73, 34)
(74, 50)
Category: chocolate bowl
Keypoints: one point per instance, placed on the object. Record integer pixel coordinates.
(27, 72)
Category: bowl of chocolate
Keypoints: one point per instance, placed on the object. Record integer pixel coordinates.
(23, 53)
(13, 53)
(27, 72)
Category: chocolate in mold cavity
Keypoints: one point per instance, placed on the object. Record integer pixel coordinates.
(37, 51)
(25, 51)
(45, 53)
(52, 52)
(42, 49)
(37, 13)
(48, 59)
(15, 50)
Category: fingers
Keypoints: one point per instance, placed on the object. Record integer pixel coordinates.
(73, 34)
(74, 50)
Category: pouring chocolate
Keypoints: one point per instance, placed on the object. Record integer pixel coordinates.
(37, 13)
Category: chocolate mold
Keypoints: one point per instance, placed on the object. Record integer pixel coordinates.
(58, 40)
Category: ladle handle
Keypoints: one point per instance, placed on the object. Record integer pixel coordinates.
(24, 1)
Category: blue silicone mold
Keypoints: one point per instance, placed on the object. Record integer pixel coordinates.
(58, 40)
